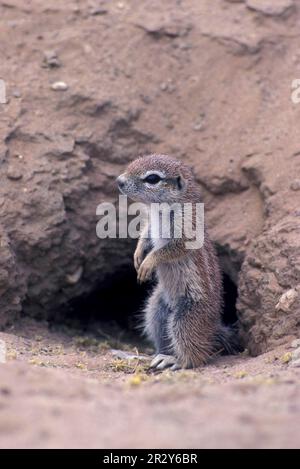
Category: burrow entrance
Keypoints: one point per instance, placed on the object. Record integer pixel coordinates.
(120, 299)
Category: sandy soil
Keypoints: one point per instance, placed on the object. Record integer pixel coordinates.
(70, 391)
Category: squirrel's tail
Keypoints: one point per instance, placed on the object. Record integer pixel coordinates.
(227, 340)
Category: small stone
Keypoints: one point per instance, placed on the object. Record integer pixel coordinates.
(296, 354)
(14, 173)
(51, 59)
(98, 11)
(59, 86)
(295, 343)
(123, 355)
(198, 126)
(168, 86)
(184, 46)
(16, 93)
(2, 351)
(145, 98)
(295, 364)
(295, 185)
(286, 300)
(270, 7)
(159, 26)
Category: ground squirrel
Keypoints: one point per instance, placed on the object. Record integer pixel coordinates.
(183, 315)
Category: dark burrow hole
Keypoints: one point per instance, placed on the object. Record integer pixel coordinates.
(119, 302)
(119, 298)
(230, 298)
(111, 312)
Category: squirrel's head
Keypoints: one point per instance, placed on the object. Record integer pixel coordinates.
(155, 178)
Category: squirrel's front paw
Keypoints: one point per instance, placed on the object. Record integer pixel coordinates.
(146, 269)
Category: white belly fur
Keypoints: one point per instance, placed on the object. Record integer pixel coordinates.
(157, 241)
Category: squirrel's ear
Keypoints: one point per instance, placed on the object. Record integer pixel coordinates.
(181, 183)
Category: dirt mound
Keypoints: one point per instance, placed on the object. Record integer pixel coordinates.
(90, 85)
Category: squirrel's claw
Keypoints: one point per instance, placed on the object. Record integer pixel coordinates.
(137, 259)
(161, 361)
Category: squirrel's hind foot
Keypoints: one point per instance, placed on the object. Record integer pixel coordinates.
(161, 362)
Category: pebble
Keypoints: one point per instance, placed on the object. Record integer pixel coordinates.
(295, 185)
(98, 11)
(59, 86)
(16, 93)
(296, 354)
(198, 126)
(270, 7)
(51, 59)
(168, 86)
(145, 98)
(295, 363)
(295, 343)
(286, 300)
(13, 173)
(123, 355)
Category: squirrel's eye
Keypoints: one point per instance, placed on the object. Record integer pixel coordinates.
(152, 179)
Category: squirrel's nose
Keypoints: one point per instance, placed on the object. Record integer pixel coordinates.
(121, 181)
